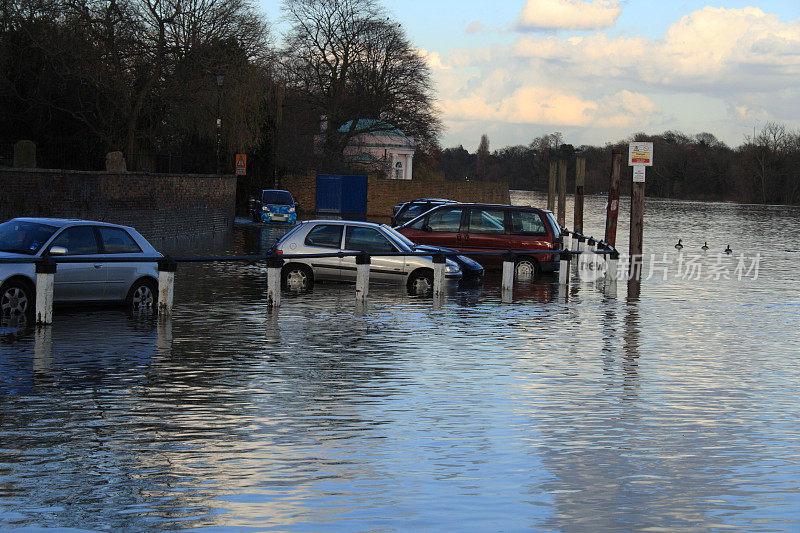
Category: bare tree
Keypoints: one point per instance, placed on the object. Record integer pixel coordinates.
(353, 62)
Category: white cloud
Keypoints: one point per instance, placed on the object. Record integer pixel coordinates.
(714, 67)
(475, 27)
(568, 15)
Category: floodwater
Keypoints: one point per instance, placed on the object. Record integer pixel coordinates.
(584, 410)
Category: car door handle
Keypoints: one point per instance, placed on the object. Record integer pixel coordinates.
(98, 266)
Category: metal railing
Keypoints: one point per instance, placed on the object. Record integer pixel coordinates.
(46, 267)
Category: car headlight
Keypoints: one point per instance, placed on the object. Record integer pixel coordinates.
(451, 268)
(265, 208)
(291, 209)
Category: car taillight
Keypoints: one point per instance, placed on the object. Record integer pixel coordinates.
(278, 252)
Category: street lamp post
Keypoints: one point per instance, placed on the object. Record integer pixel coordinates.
(219, 123)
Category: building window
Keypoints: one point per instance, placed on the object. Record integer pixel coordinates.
(398, 170)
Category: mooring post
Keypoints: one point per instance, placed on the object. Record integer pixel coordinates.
(581, 243)
(563, 267)
(580, 179)
(637, 229)
(566, 239)
(45, 274)
(439, 261)
(274, 265)
(551, 187)
(362, 275)
(562, 193)
(166, 285)
(612, 207)
(591, 244)
(508, 277)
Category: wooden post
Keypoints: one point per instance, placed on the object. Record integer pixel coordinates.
(562, 192)
(166, 286)
(45, 274)
(362, 275)
(580, 179)
(637, 229)
(274, 265)
(551, 188)
(612, 207)
(439, 262)
(508, 277)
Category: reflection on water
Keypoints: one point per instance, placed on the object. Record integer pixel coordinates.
(594, 409)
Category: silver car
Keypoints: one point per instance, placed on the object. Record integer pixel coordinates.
(331, 236)
(96, 280)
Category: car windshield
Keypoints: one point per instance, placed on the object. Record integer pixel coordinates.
(24, 237)
(401, 240)
(273, 197)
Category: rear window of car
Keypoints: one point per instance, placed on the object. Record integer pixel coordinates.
(117, 241)
(527, 223)
(487, 220)
(325, 235)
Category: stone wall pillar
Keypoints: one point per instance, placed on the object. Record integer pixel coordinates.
(115, 162)
(25, 154)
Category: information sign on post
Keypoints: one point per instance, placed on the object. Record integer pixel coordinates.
(241, 164)
(640, 154)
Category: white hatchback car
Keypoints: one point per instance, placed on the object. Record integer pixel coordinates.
(333, 236)
(94, 279)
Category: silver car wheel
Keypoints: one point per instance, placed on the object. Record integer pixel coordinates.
(421, 285)
(297, 279)
(142, 297)
(14, 301)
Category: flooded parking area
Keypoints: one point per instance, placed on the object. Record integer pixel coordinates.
(676, 410)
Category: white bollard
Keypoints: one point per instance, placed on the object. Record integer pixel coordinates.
(362, 276)
(612, 264)
(45, 275)
(581, 243)
(563, 268)
(439, 262)
(507, 295)
(274, 265)
(166, 286)
(566, 239)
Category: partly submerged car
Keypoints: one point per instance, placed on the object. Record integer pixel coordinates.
(275, 205)
(93, 279)
(332, 236)
(490, 230)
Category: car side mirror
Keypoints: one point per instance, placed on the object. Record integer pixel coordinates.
(427, 228)
(58, 250)
(296, 205)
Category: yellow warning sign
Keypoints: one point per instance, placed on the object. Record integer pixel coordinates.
(241, 164)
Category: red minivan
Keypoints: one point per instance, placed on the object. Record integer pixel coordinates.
(491, 228)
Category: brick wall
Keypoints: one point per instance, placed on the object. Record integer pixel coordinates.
(383, 194)
(171, 211)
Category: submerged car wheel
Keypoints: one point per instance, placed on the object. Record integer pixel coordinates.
(527, 269)
(143, 296)
(420, 283)
(16, 298)
(297, 277)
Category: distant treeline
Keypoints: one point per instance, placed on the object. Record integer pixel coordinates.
(764, 169)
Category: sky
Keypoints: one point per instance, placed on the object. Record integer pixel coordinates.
(599, 71)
